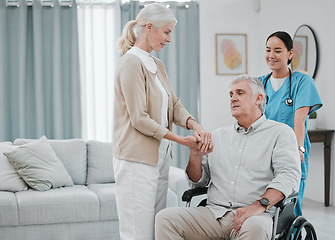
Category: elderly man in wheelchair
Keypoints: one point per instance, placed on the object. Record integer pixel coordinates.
(249, 168)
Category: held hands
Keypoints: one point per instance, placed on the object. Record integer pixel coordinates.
(196, 151)
(197, 147)
(203, 137)
(190, 141)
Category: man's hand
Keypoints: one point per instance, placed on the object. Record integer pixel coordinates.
(193, 168)
(245, 212)
(256, 208)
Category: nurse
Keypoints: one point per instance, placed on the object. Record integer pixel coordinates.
(291, 97)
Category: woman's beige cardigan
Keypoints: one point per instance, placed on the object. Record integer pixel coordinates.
(137, 111)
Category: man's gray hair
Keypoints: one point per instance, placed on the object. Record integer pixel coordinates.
(255, 84)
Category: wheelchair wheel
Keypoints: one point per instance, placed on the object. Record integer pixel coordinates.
(301, 229)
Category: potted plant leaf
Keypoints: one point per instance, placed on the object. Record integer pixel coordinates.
(311, 123)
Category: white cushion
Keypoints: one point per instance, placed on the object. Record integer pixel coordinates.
(72, 153)
(39, 166)
(9, 211)
(100, 162)
(106, 195)
(71, 205)
(10, 180)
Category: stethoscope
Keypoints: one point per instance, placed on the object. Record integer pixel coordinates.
(288, 101)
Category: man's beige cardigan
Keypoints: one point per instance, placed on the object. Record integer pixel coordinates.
(137, 111)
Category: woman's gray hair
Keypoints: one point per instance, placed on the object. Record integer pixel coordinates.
(256, 86)
(156, 13)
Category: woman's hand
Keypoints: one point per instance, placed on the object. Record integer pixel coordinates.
(189, 141)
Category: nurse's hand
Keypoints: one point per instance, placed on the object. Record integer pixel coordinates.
(302, 158)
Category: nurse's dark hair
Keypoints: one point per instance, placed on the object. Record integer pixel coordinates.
(286, 38)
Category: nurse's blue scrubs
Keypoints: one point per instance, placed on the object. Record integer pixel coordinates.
(303, 94)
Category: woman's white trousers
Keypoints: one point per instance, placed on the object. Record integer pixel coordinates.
(141, 192)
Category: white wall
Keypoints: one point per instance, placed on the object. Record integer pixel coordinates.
(239, 16)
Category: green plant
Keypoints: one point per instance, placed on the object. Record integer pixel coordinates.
(313, 115)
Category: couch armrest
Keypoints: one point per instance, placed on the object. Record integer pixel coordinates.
(178, 183)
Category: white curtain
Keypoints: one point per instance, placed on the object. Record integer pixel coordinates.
(99, 28)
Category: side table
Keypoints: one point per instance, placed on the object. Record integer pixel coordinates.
(325, 136)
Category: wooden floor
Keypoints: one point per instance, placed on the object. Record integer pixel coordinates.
(322, 218)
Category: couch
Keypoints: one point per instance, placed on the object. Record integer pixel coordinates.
(83, 210)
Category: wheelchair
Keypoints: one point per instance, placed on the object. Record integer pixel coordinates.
(286, 226)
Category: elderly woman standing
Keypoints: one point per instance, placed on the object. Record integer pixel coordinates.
(145, 107)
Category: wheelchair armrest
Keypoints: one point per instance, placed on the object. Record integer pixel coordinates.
(189, 194)
(282, 202)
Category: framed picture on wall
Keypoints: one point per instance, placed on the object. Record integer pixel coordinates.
(231, 54)
(299, 60)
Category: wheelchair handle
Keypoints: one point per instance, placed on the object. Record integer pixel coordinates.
(282, 202)
(189, 194)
